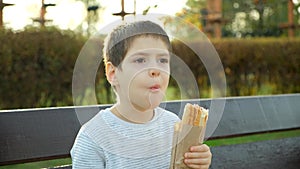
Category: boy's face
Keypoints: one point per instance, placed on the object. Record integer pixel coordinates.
(144, 76)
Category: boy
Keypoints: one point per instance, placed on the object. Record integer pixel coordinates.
(134, 132)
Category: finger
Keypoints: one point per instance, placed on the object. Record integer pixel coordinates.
(206, 154)
(198, 166)
(200, 148)
(197, 161)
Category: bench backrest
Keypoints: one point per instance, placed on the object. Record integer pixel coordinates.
(48, 133)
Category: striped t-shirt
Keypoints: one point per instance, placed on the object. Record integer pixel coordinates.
(111, 143)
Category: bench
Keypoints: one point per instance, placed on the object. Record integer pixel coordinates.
(29, 135)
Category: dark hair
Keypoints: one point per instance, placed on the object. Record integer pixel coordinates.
(118, 42)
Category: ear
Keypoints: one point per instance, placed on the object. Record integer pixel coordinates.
(110, 72)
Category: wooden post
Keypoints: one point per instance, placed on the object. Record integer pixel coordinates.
(43, 11)
(291, 29)
(123, 13)
(290, 25)
(214, 18)
(2, 5)
(123, 10)
(1, 13)
(218, 28)
(42, 14)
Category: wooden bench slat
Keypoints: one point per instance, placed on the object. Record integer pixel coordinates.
(246, 115)
(32, 135)
(49, 133)
(259, 114)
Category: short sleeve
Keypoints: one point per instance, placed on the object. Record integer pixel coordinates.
(86, 154)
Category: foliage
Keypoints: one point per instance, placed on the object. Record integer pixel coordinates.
(252, 67)
(249, 18)
(244, 18)
(37, 67)
(192, 12)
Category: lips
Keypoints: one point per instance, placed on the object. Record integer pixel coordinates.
(155, 87)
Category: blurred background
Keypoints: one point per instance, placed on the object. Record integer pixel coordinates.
(40, 40)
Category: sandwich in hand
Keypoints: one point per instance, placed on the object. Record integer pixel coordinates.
(188, 132)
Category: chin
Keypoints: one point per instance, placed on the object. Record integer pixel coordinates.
(150, 104)
(153, 106)
(155, 101)
(148, 101)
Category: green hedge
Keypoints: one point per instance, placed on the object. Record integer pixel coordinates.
(252, 66)
(262, 66)
(37, 66)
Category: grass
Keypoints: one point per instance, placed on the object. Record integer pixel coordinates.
(253, 138)
(39, 164)
(216, 142)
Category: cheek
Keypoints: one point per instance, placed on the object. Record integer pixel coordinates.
(134, 81)
(166, 76)
(126, 76)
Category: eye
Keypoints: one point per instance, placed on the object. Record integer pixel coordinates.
(163, 60)
(140, 60)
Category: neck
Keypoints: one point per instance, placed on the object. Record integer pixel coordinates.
(132, 114)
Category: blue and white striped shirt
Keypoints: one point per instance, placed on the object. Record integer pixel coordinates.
(107, 142)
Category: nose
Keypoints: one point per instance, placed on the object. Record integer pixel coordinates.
(154, 72)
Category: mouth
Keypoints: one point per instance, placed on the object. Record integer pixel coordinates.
(155, 88)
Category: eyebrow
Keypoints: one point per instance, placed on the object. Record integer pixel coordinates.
(147, 53)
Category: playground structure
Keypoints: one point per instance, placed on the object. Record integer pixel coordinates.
(212, 15)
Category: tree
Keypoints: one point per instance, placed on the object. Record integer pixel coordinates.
(189, 16)
(244, 18)
(254, 17)
(192, 12)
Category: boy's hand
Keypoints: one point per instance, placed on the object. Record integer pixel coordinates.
(198, 157)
